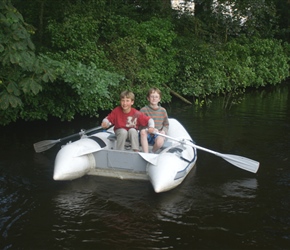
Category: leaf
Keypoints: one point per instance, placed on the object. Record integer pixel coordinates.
(12, 88)
(30, 85)
(35, 87)
(7, 99)
(14, 101)
(2, 18)
(4, 102)
(14, 58)
(30, 44)
(12, 16)
(48, 76)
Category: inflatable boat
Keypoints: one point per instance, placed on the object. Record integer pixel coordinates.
(96, 155)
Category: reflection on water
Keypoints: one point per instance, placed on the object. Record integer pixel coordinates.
(15, 203)
(173, 206)
(130, 210)
(246, 188)
(92, 206)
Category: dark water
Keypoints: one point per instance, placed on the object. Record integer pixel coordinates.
(218, 206)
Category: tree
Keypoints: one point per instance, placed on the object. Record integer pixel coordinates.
(95, 49)
(35, 86)
(22, 72)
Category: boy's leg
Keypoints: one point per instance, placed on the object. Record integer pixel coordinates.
(159, 141)
(122, 135)
(144, 141)
(133, 137)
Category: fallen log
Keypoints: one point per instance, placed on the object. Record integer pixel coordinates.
(177, 95)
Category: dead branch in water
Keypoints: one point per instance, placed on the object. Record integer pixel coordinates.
(177, 95)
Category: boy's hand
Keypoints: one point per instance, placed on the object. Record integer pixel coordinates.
(152, 130)
(105, 125)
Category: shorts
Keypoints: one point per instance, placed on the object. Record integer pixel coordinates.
(151, 138)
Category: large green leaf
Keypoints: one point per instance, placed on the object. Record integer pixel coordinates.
(13, 89)
(7, 99)
(30, 85)
(48, 76)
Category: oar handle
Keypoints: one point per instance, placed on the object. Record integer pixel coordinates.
(90, 130)
(70, 137)
(82, 132)
(47, 144)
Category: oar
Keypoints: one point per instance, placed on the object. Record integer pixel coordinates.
(239, 161)
(47, 144)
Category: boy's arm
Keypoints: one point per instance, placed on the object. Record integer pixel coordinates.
(165, 122)
(151, 126)
(106, 123)
(109, 119)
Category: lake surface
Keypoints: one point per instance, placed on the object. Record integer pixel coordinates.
(218, 206)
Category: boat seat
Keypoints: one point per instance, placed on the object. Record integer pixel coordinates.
(167, 144)
(112, 137)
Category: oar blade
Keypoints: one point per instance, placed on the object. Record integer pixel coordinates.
(151, 158)
(44, 145)
(47, 144)
(239, 161)
(242, 162)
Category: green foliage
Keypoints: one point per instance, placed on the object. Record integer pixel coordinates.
(76, 39)
(237, 65)
(74, 31)
(222, 20)
(146, 56)
(270, 62)
(20, 72)
(26, 90)
(79, 89)
(89, 51)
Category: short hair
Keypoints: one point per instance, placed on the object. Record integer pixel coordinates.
(127, 94)
(151, 90)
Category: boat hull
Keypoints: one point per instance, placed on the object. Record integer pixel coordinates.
(171, 169)
(96, 155)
